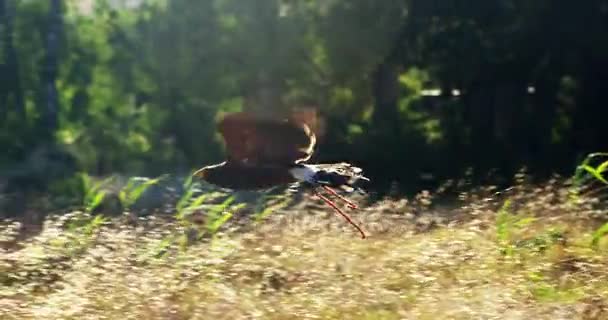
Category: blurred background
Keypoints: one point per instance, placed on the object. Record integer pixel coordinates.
(414, 91)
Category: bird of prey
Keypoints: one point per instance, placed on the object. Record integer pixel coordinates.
(264, 152)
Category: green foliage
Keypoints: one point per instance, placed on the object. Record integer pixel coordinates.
(67, 191)
(503, 227)
(541, 241)
(268, 205)
(186, 205)
(84, 223)
(218, 215)
(596, 172)
(141, 84)
(545, 291)
(511, 233)
(134, 188)
(197, 219)
(599, 234)
(218, 220)
(451, 271)
(93, 192)
(81, 230)
(584, 172)
(507, 225)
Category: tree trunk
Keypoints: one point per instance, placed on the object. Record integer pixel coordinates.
(3, 61)
(479, 117)
(386, 94)
(10, 82)
(51, 65)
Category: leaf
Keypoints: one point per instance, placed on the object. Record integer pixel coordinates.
(503, 228)
(219, 222)
(198, 201)
(594, 172)
(503, 221)
(270, 209)
(188, 182)
(94, 224)
(96, 201)
(162, 247)
(131, 193)
(599, 234)
(86, 181)
(94, 194)
(524, 222)
(222, 207)
(602, 167)
(215, 214)
(584, 167)
(123, 195)
(139, 190)
(183, 201)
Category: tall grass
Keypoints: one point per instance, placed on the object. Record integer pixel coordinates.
(586, 171)
(526, 252)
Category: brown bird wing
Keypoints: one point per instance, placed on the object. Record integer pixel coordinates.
(254, 140)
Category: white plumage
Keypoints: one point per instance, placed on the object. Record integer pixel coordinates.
(304, 173)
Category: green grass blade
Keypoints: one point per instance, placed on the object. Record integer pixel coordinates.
(219, 222)
(183, 201)
(594, 172)
(602, 167)
(504, 225)
(215, 214)
(96, 201)
(270, 209)
(599, 234)
(132, 192)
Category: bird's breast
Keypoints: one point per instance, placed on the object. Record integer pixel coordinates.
(303, 173)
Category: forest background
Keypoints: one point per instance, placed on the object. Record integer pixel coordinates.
(416, 92)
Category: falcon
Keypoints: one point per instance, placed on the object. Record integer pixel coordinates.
(264, 152)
